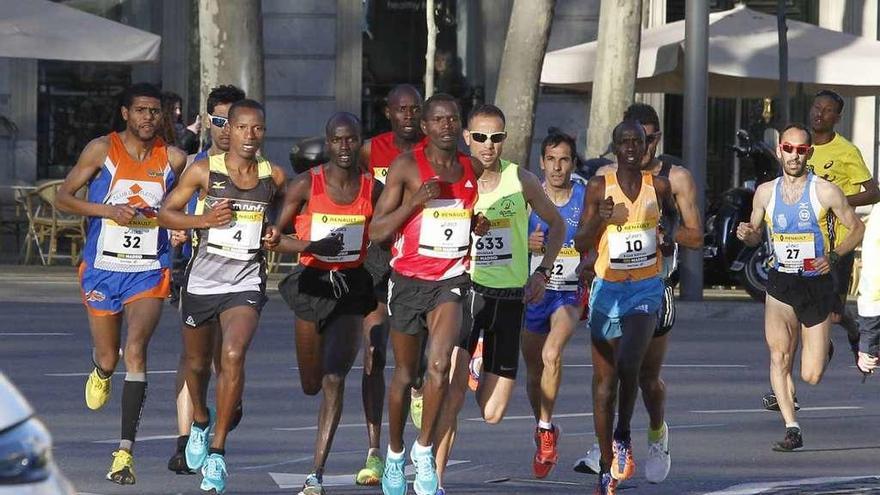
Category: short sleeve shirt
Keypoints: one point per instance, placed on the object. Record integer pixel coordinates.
(840, 162)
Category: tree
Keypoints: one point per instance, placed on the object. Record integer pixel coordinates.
(520, 74)
(617, 64)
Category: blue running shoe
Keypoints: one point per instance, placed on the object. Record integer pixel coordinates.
(214, 474)
(426, 482)
(197, 446)
(393, 479)
(440, 491)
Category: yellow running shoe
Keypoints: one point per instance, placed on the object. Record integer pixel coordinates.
(122, 469)
(415, 410)
(97, 390)
(371, 474)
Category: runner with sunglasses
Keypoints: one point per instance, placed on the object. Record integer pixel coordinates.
(499, 269)
(800, 290)
(126, 267)
(219, 101)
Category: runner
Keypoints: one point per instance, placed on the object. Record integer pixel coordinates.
(500, 275)
(403, 109)
(684, 225)
(427, 206)
(626, 294)
(219, 101)
(550, 323)
(330, 291)
(126, 264)
(800, 291)
(226, 279)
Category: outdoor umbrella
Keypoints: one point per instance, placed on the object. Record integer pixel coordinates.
(47, 30)
(743, 59)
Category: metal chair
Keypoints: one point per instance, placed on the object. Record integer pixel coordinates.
(47, 223)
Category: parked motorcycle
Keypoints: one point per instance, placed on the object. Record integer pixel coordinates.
(307, 153)
(727, 260)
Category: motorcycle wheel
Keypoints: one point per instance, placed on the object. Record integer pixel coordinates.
(754, 275)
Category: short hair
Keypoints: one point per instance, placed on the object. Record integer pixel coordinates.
(346, 117)
(245, 103)
(487, 110)
(439, 98)
(141, 89)
(834, 96)
(643, 113)
(402, 88)
(800, 127)
(222, 95)
(556, 138)
(618, 129)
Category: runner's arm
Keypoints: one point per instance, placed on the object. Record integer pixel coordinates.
(690, 233)
(590, 224)
(393, 207)
(868, 196)
(750, 233)
(294, 200)
(87, 166)
(830, 196)
(541, 204)
(178, 160)
(171, 214)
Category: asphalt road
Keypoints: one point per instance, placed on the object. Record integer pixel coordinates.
(720, 437)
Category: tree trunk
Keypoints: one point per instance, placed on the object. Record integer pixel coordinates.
(231, 46)
(520, 74)
(617, 64)
(431, 49)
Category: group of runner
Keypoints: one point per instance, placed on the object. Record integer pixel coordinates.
(462, 261)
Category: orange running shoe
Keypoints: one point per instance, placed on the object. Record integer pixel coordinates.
(476, 366)
(607, 485)
(546, 454)
(623, 466)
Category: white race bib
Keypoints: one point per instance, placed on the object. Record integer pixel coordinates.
(134, 244)
(494, 248)
(241, 239)
(792, 250)
(446, 229)
(380, 174)
(632, 245)
(563, 275)
(349, 227)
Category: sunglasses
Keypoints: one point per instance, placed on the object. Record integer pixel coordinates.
(218, 121)
(801, 149)
(495, 137)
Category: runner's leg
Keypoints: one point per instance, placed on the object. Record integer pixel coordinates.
(814, 351)
(653, 387)
(407, 354)
(604, 395)
(444, 324)
(781, 329)
(375, 342)
(562, 325)
(447, 422)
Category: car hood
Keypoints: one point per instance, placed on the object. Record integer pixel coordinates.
(13, 407)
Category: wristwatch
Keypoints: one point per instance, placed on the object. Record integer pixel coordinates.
(544, 271)
(833, 258)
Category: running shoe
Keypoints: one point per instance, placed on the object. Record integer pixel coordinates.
(546, 453)
(770, 403)
(197, 446)
(177, 463)
(122, 469)
(792, 441)
(371, 474)
(589, 464)
(623, 466)
(440, 491)
(607, 484)
(97, 390)
(415, 409)
(314, 485)
(214, 474)
(426, 481)
(393, 479)
(658, 461)
(476, 366)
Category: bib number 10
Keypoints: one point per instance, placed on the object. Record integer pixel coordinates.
(634, 246)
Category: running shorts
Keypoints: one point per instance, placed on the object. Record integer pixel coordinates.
(610, 302)
(378, 263)
(497, 316)
(198, 309)
(317, 295)
(411, 299)
(841, 273)
(812, 298)
(538, 314)
(106, 293)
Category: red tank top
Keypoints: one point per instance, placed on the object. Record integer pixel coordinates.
(382, 153)
(322, 217)
(434, 242)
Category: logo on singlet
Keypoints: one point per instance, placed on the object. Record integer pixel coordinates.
(781, 221)
(218, 185)
(95, 296)
(154, 173)
(804, 212)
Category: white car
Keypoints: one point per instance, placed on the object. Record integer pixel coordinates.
(26, 463)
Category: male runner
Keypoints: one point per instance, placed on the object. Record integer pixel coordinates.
(330, 291)
(683, 224)
(219, 101)
(800, 291)
(627, 293)
(403, 109)
(226, 279)
(550, 322)
(427, 205)
(126, 264)
(500, 275)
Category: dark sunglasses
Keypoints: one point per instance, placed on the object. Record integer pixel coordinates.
(495, 137)
(801, 149)
(218, 121)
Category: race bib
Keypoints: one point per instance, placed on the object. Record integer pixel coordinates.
(241, 239)
(792, 250)
(632, 245)
(445, 231)
(350, 228)
(134, 244)
(563, 275)
(380, 173)
(494, 248)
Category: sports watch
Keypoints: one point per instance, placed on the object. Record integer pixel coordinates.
(833, 258)
(544, 271)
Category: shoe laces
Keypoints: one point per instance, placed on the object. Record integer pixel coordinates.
(313, 480)
(655, 449)
(393, 470)
(546, 439)
(215, 468)
(425, 469)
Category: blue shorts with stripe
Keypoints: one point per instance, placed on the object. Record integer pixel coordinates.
(538, 315)
(610, 302)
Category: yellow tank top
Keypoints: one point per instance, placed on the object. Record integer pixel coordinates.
(628, 249)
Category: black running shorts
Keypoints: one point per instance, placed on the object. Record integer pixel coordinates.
(378, 263)
(196, 309)
(411, 299)
(317, 295)
(841, 273)
(812, 298)
(666, 318)
(497, 315)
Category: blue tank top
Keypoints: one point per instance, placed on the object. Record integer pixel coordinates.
(563, 276)
(798, 232)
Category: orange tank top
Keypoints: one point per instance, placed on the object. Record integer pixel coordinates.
(323, 217)
(628, 248)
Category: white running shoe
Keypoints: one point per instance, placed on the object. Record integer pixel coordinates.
(658, 461)
(589, 464)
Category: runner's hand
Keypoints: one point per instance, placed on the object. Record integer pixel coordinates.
(586, 270)
(121, 214)
(535, 287)
(328, 246)
(536, 240)
(429, 190)
(748, 234)
(821, 265)
(606, 208)
(481, 225)
(219, 214)
(178, 237)
(271, 238)
(867, 363)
